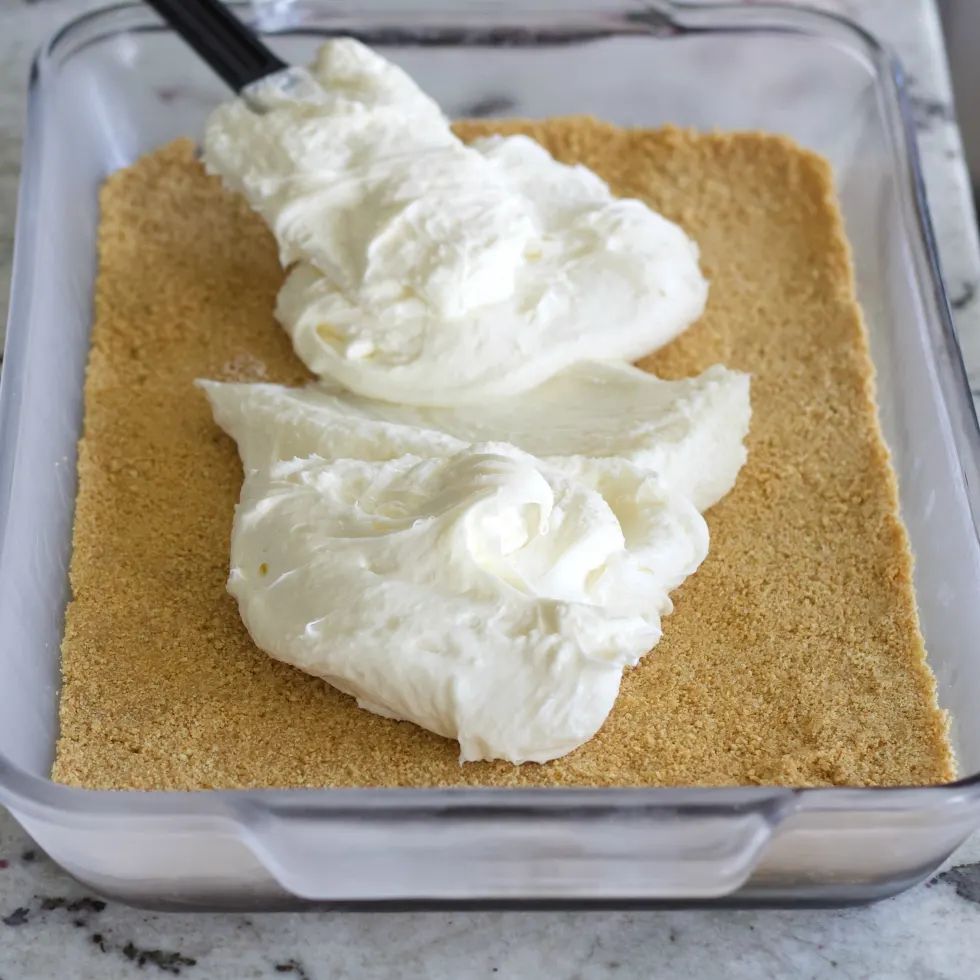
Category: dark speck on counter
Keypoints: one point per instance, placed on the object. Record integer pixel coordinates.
(16, 918)
(490, 105)
(293, 967)
(965, 878)
(963, 297)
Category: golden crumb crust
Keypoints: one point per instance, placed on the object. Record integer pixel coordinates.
(793, 656)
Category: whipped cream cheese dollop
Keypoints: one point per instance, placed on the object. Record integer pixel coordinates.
(425, 271)
(468, 586)
(483, 594)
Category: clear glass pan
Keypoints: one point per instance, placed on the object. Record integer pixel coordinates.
(115, 84)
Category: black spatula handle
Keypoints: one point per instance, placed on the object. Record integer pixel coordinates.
(230, 47)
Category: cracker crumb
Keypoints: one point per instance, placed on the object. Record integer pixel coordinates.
(244, 367)
(793, 656)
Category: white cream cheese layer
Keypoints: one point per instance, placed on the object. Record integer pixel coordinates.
(430, 272)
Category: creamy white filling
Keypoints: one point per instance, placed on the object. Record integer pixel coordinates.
(465, 585)
(485, 595)
(434, 273)
(475, 519)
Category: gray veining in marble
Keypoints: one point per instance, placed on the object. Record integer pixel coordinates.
(51, 928)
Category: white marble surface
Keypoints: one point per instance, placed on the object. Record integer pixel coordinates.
(50, 928)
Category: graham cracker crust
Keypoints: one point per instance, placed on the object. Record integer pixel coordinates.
(793, 656)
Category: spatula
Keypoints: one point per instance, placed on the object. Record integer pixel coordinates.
(235, 52)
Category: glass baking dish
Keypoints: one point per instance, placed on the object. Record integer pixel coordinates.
(114, 84)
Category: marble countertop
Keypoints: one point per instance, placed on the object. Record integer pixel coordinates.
(51, 928)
